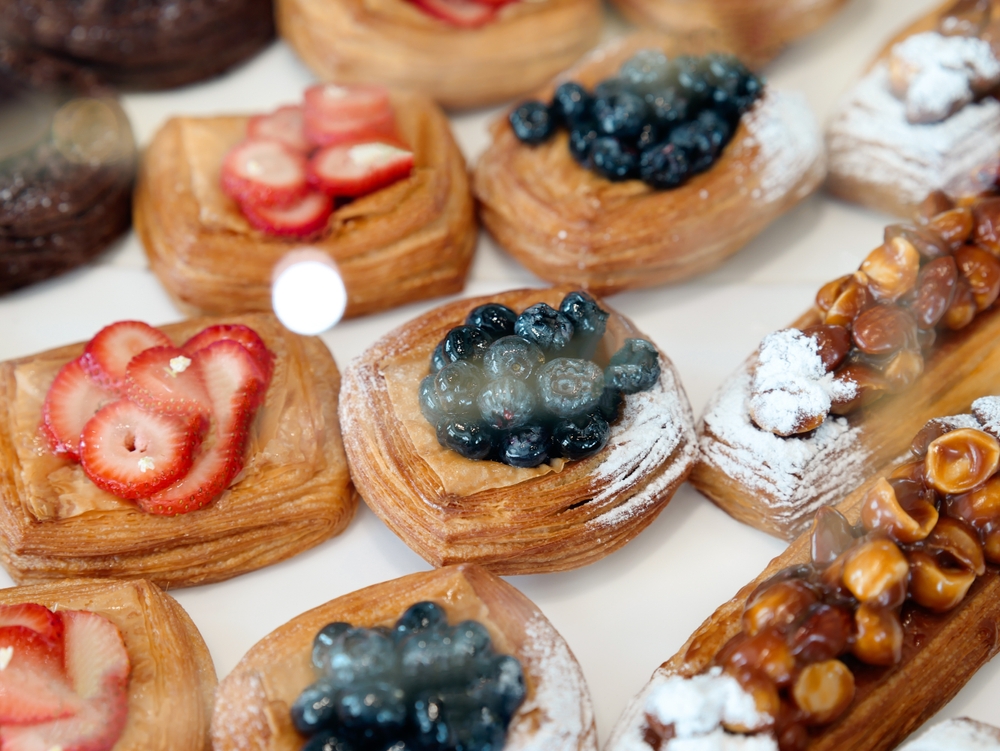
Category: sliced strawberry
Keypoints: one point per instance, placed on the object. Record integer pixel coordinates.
(264, 173)
(73, 398)
(285, 124)
(162, 379)
(108, 354)
(466, 14)
(357, 169)
(132, 453)
(303, 219)
(38, 618)
(96, 658)
(231, 377)
(33, 685)
(96, 727)
(337, 114)
(236, 332)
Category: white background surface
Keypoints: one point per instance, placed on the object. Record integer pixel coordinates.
(627, 613)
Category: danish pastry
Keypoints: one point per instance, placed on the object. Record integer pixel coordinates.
(863, 628)
(570, 226)
(292, 492)
(253, 704)
(409, 241)
(824, 403)
(512, 48)
(520, 517)
(961, 734)
(172, 679)
(919, 120)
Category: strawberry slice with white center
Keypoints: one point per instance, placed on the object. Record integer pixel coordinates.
(162, 379)
(33, 684)
(231, 377)
(466, 14)
(38, 618)
(338, 114)
(285, 124)
(132, 453)
(72, 399)
(96, 658)
(264, 173)
(303, 219)
(108, 354)
(359, 168)
(236, 332)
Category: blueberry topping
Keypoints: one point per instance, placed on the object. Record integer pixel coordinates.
(667, 109)
(509, 677)
(571, 102)
(327, 741)
(569, 387)
(635, 367)
(621, 115)
(494, 320)
(701, 150)
(438, 360)
(465, 343)
(507, 402)
(513, 356)
(315, 708)
(581, 138)
(427, 395)
(360, 654)
(422, 616)
(611, 402)
(612, 160)
(546, 327)
(691, 80)
(457, 386)
(646, 71)
(324, 642)
(532, 123)
(664, 166)
(470, 640)
(380, 704)
(526, 447)
(469, 438)
(648, 136)
(588, 319)
(580, 437)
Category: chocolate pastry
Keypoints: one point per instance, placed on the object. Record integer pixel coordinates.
(66, 167)
(145, 44)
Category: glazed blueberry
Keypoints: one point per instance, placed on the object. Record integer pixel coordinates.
(571, 102)
(581, 137)
(548, 328)
(580, 437)
(525, 447)
(467, 437)
(360, 654)
(621, 115)
(427, 396)
(493, 320)
(588, 319)
(568, 387)
(428, 652)
(691, 81)
(328, 741)
(610, 87)
(419, 617)
(648, 136)
(430, 714)
(664, 166)
(667, 109)
(506, 402)
(457, 386)
(513, 356)
(613, 161)
(635, 367)
(611, 403)
(646, 71)
(532, 123)
(379, 704)
(324, 641)
(438, 360)
(701, 150)
(315, 708)
(471, 640)
(508, 686)
(465, 343)
(716, 127)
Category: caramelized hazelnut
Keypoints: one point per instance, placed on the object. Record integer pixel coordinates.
(777, 606)
(881, 510)
(991, 543)
(833, 343)
(959, 542)
(892, 269)
(954, 226)
(934, 428)
(934, 586)
(823, 633)
(831, 536)
(766, 652)
(874, 569)
(823, 691)
(978, 506)
(935, 291)
(982, 271)
(903, 370)
(883, 329)
(870, 385)
(853, 299)
(935, 203)
(963, 309)
(986, 225)
(830, 291)
(909, 471)
(928, 244)
(879, 635)
(960, 460)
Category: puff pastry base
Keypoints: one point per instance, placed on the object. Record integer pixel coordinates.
(940, 654)
(172, 684)
(395, 43)
(252, 703)
(410, 241)
(570, 226)
(511, 521)
(777, 484)
(294, 491)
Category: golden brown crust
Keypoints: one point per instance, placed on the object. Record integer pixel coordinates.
(295, 490)
(570, 226)
(393, 42)
(410, 241)
(555, 521)
(252, 703)
(940, 654)
(172, 683)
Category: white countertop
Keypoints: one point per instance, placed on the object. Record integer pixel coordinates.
(630, 611)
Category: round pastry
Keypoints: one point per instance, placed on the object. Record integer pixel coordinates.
(184, 455)
(67, 161)
(499, 50)
(520, 516)
(409, 241)
(143, 44)
(702, 197)
(756, 30)
(169, 679)
(254, 703)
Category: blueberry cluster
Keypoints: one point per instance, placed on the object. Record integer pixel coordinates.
(522, 389)
(420, 686)
(659, 120)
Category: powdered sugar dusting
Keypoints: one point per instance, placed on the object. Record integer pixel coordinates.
(700, 704)
(987, 411)
(871, 140)
(960, 734)
(791, 385)
(560, 710)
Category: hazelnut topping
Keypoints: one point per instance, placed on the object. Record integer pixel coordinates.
(934, 586)
(935, 291)
(936, 203)
(879, 636)
(777, 606)
(961, 543)
(892, 268)
(882, 511)
(883, 329)
(963, 307)
(830, 291)
(982, 271)
(928, 244)
(876, 568)
(833, 343)
(986, 225)
(905, 367)
(831, 536)
(823, 691)
(852, 301)
(954, 226)
(962, 459)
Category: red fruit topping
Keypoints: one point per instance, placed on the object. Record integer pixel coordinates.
(307, 217)
(236, 332)
(285, 124)
(264, 173)
(33, 686)
(96, 658)
(162, 379)
(72, 400)
(466, 14)
(358, 168)
(231, 377)
(108, 354)
(337, 114)
(132, 453)
(38, 618)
